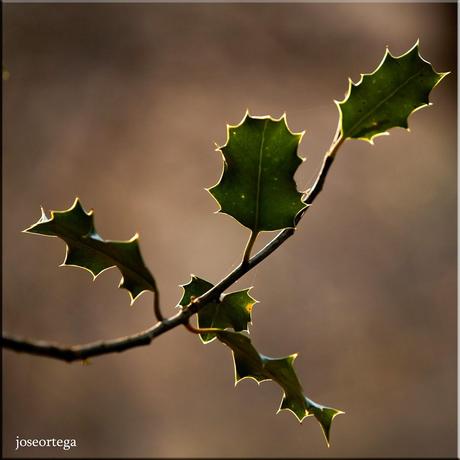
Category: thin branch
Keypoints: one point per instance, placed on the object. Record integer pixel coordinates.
(327, 163)
(82, 352)
(89, 350)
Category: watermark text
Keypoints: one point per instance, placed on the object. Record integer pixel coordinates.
(64, 444)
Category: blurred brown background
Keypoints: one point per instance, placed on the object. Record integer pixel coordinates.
(121, 105)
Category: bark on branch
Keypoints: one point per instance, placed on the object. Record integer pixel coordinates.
(90, 350)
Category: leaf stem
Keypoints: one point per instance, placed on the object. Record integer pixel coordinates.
(82, 352)
(156, 305)
(249, 245)
(200, 330)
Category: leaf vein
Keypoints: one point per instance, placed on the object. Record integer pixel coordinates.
(385, 99)
(259, 177)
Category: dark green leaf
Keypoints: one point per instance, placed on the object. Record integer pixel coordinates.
(386, 97)
(86, 249)
(232, 310)
(257, 186)
(250, 364)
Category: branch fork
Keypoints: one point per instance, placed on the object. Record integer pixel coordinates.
(144, 338)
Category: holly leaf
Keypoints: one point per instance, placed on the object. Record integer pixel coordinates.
(250, 364)
(257, 186)
(86, 249)
(386, 97)
(231, 310)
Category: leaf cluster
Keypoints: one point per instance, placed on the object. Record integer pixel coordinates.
(256, 188)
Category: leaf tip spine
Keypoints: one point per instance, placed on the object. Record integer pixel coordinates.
(132, 299)
(415, 46)
(76, 202)
(441, 76)
(135, 237)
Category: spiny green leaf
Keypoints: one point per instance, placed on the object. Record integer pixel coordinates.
(86, 249)
(257, 186)
(232, 310)
(386, 97)
(250, 364)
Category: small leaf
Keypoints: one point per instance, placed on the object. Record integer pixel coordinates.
(386, 97)
(257, 186)
(86, 249)
(232, 310)
(250, 364)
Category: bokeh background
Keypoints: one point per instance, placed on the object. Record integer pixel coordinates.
(121, 105)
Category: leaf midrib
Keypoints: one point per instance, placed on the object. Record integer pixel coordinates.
(383, 101)
(259, 181)
(210, 336)
(82, 242)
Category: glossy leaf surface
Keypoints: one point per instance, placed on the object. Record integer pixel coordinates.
(233, 310)
(250, 364)
(386, 97)
(86, 249)
(257, 186)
